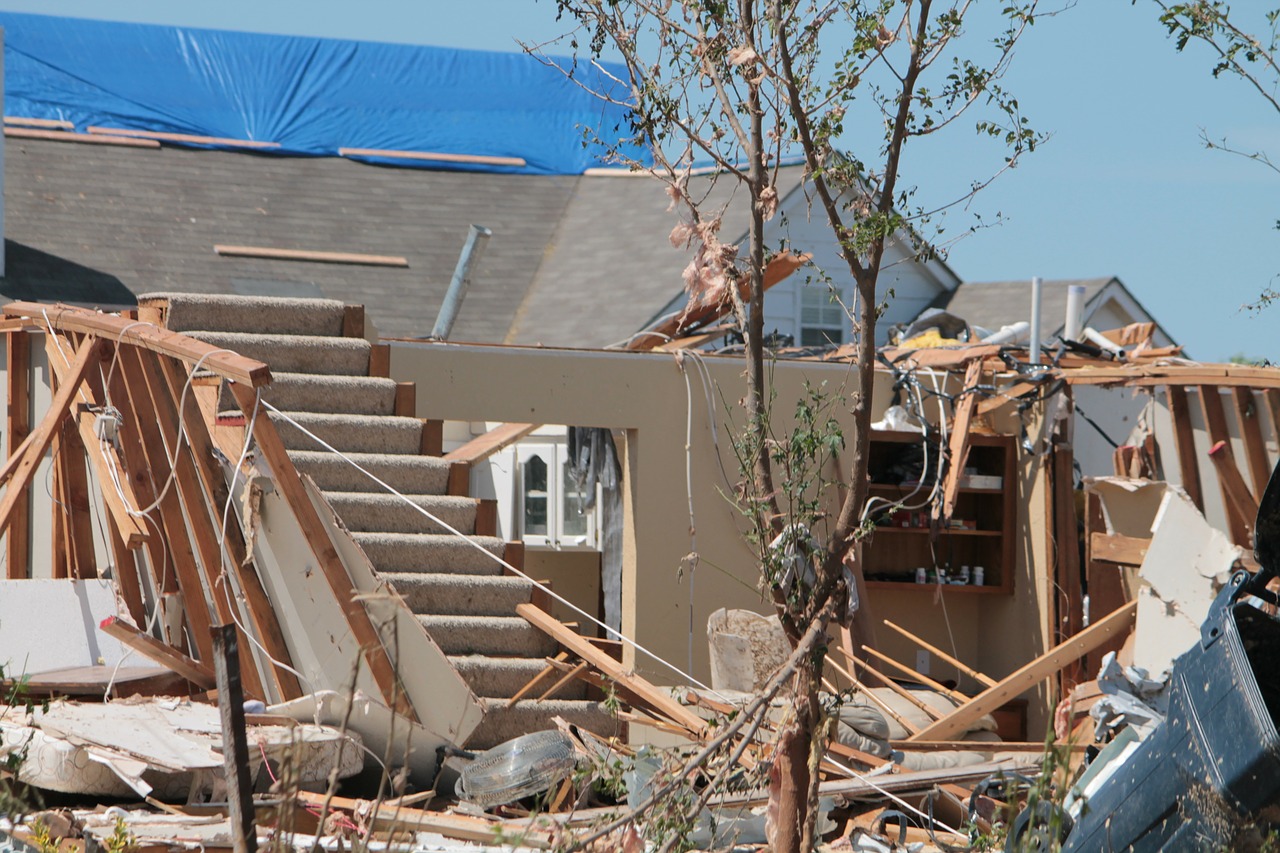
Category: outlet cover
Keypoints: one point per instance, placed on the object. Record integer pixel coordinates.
(922, 661)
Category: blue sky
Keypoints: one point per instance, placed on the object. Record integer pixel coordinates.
(1124, 187)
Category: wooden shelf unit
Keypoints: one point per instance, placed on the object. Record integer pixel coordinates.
(893, 553)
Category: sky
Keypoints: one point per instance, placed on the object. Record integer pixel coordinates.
(1124, 187)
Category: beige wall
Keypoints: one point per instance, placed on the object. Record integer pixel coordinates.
(646, 395)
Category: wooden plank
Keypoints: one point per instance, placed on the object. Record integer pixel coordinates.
(125, 571)
(406, 400)
(432, 443)
(1106, 580)
(380, 361)
(930, 711)
(267, 253)
(60, 541)
(1184, 440)
(1215, 418)
(1028, 676)
(915, 676)
(941, 655)
(92, 682)
(70, 319)
(179, 137)
(1008, 396)
(1033, 747)
(483, 446)
(958, 450)
(353, 321)
(1068, 584)
(167, 656)
(47, 123)
(75, 479)
(659, 700)
(262, 615)
(286, 480)
(1118, 548)
(459, 483)
(1255, 447)
(191, 496)
(45, 433)
(1239, 499)
(435, 156)
(235, 742)
(71, 136)
(18, 432)
(1273, 407)
(390, 817)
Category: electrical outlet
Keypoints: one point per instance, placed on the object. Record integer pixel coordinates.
(922, 661)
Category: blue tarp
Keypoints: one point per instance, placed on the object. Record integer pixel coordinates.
(313, 96)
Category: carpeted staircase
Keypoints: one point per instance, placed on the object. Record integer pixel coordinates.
(321, 369)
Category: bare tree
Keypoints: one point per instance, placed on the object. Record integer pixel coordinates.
(741, 86)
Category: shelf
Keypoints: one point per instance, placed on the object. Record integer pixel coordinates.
(966, 589)
(948, 532)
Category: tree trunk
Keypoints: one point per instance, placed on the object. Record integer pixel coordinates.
(792, 818)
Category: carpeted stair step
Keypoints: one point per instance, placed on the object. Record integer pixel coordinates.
(410, 474)
(367, 512)
(502, 723)
(311, 392)
(502, 678)
(188, 312)
(296, 353)
(488, 635)
(460, 595)
(432, 553)
(351, 433)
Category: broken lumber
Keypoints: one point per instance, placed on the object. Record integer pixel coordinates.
(936, 652)
(162, 653)
(483, 446)
(1239, 498)
(1184, 440)
(958, 450)
(18, 435)
(270, 254)
(956, 722)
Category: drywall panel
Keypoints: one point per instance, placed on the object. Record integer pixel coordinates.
(50, 624)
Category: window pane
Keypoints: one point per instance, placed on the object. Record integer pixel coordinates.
(574, 512)
(813, 337)
(535, 496)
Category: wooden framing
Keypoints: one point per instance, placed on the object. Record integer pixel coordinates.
(483, 446)
(1255, 447)
(1239, 499)
(958, 451)
(1185, 442)
(167, 656)
(269, 254)
(17, 432)
(1215, 419)
(75, 497)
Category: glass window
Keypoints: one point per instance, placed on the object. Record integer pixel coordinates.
(822, 319)
(574, 511)
(534, 475)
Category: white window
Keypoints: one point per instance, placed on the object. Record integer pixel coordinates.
(550, 506)
(822, 319)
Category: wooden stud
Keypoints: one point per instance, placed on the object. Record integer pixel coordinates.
(380, 361)
(1273, 408)
(958, 451)
(533, 682)
(406, 401)
(133, 400)
(288, 483)
(45, 433)
(1118, 548)
(75, 485)
(941, 655)
(484, 446)
(1244, 504)
(863, 690)
(1066, 557)
(167, 656)
(125, 572)
(1028, 676)
(486, 517)
(432, 438)
(916, 676)
(1106, 583)
(122, 331)
(309, 255)
(60, 540)
(18, 432)
(191, 498)
(564, 679)
(1255, 448)
(1184, 441)
(657, 699)
(353, 321)
(262, 615)
(1215, 419)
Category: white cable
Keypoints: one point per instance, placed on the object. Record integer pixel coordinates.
(688, 486)
(442, 523)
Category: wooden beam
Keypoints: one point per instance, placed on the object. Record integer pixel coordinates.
(1238, 497)
(406, 400)
(865, 692)
(915, 676)
(929, 710)
(167, 656)
(1006, 397)
(380, 361)
(72, 136)
(1065, 546)
(435, 156)
(1185, 441)
(200, 515)
(75, 490)
(179, 137)
(45, 433)
(353, 321)
(70, 319)
(958, 449)
(267, 253)
(940, 654)
(18, 435)
(1028, 676)
(125, 572)
(1273, 407)
(1118, 548)
(235, 741)
(262, 615)
(657, 699)
(1215, 419)
(483, 446)
(1255, 447)
(47, 123)
(432, 439)
(290, 486)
